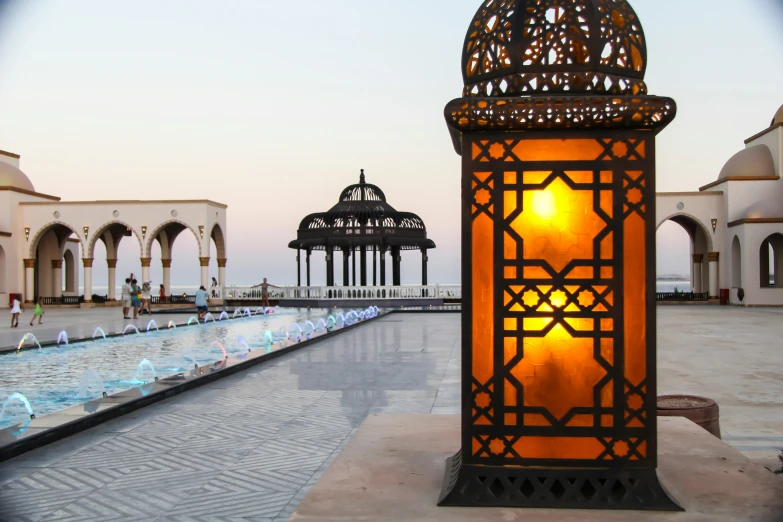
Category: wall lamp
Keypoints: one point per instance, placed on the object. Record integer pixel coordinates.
(86, 231)
(27, 233)
(201, 231)
(714, 225)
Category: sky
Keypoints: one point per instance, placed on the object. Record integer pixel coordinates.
(273, 107)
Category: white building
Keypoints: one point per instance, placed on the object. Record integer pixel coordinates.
(42, 237)
(736, 222)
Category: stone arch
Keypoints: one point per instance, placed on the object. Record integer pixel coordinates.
(736, 263)
(53, 225)
(701, 244)
(154, 234)
(684, 217)
(102, 230)
(771, 247)
(220, 240)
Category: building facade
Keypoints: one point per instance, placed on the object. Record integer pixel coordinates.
(736, 223)
(47, 245)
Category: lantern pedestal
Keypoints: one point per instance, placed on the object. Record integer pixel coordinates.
(504, 486)
(392, 467)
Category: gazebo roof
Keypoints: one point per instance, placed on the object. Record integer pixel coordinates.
(362, 217)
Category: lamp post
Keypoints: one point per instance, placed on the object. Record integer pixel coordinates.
(557, 138)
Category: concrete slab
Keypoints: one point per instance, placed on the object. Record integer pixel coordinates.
(393, 470)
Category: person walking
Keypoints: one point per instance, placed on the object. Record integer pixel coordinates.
(201, 302)
(38, 312)
(214, 288)
(162, 294)
(265, 292)
(146, 297)
(16, 309)
(126, 298)
(135, 298)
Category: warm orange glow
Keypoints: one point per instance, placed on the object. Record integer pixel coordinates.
(544, 205)
(559, 150)
(552, 238)
(558, 371)
(483, 286)
(558, 224)
(559, 447)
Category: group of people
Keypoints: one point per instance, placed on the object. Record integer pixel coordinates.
(138, 297)
(16, 309)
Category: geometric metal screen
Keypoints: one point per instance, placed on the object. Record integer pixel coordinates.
(558, 234)
(551, 389)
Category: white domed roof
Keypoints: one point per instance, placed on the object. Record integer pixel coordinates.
(778, 118)
(11, 176)
(752, 162)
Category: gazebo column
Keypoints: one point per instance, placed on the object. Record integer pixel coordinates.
(382, 263)
(29, 280)
(346, 268)
(374, 266)
(329, 266)
(396, 258)
(424, 260)
(353, 265)
(697, 260)
(204, 271)
(299, 268)
(713, 258)
(166, 275)
(363, 268)
(87, 262)
(112, 279)
(222, 275)
(307, 263)
(145, 269)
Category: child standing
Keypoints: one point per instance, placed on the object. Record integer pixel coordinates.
(16, 309)
(38, 312)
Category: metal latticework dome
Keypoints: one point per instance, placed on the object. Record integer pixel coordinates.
(517, 47)
(362, 223)
(362, 217)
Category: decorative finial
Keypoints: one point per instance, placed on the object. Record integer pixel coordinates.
(361, 177)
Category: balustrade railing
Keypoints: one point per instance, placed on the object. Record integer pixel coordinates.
(72, 300)
(682, 296)
(173, 299)
(446, 292)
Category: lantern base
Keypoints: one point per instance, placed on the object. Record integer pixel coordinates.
(559, 488)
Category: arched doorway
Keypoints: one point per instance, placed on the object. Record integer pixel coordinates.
(771, 261)
(736, 263)
(114, 259)
(184, 259)
(69, 274)
(47, 249)
(218, 259)
(686, 255)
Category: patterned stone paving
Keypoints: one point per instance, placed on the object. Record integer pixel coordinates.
(249, 447)
(246, 448)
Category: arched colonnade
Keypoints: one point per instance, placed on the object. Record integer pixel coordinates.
(54, 230)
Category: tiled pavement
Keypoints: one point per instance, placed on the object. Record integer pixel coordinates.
(244, 448)
(249, 447)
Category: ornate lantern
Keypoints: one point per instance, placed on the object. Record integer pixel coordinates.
(557, 136)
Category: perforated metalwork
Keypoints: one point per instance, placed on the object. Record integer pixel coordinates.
(548, 46)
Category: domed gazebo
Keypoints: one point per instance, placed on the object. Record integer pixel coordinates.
(361, 221)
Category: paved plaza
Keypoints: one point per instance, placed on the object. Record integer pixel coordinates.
(250, 446)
